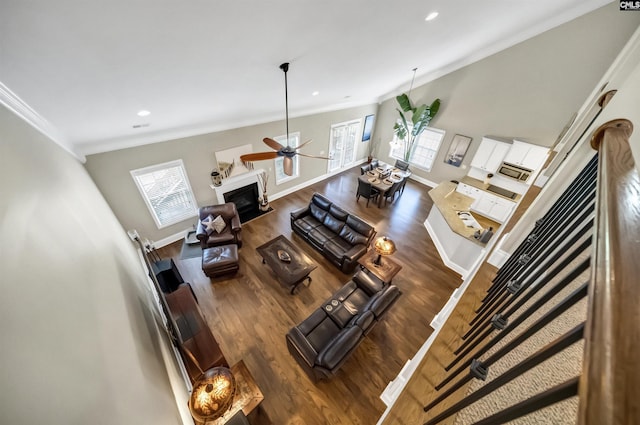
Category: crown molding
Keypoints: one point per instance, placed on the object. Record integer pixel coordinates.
(37, 121)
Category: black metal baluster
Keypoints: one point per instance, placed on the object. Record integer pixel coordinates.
(550, 350)
(548, 246)
(587, 175)
(554, 312)
(534, 284)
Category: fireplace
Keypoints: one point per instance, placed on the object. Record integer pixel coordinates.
(246, 200)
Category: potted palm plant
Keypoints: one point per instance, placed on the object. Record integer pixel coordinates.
(409, 127)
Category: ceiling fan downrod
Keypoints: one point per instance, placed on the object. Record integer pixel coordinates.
(285, 68)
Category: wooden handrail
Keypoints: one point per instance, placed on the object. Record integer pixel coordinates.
(610, 382)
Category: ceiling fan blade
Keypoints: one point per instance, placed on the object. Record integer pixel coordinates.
(272, 144)
(288, 166)
(313, 156)
(259, 156)
(305, 143)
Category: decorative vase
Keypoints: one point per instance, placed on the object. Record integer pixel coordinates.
(264, 202)
(216, 178)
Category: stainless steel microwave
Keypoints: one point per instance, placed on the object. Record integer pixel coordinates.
(514, 172)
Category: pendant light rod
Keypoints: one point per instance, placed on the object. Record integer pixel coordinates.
(412, 78)
(285, 68)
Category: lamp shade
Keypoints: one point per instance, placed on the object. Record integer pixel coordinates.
(384, 246)
(212, 394)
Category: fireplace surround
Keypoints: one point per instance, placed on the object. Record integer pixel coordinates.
(245, 187)
(246, 200)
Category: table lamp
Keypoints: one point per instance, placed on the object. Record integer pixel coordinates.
(383, 246)
(212, 394)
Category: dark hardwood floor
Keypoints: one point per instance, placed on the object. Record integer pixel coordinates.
(250, 313)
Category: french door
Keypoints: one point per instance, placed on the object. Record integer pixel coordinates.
(342, 145)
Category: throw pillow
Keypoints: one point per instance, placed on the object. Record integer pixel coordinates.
(208, 224)
(219, 224)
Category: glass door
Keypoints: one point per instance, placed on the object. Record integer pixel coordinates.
(342, 146)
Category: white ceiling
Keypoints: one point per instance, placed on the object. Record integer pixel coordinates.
(86, 67)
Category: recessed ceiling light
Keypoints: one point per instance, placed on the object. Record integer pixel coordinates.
(143, 113)
(431, 16)
(315, 93)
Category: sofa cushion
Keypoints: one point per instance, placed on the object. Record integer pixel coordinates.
(338, 212)
(359, 226)
(339, 347)
(379, 303)
(335, 248)
(364, 321)
(306, 224)
(333, 223)
(321, 201)
(368, 282)
(321, 235)
(352, 236)
(323, 333)
(318, 213)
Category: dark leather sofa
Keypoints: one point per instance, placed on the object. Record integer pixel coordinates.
(323, 342)
(340, 236)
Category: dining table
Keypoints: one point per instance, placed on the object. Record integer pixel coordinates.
(383, 177)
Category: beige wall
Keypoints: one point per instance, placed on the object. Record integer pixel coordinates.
(79, 344)
(529, 91)
(110, 170)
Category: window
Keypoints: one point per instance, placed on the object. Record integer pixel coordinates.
(294, 141)
(166, 190)
(424, 149)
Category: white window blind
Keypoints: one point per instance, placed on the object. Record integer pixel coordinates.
(294, 141)
(424, 150)
(166, 190)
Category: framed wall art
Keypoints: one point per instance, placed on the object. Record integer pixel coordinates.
(367, 128)
(457, 150)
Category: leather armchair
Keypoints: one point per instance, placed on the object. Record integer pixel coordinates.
(232, 231)
(323, 342)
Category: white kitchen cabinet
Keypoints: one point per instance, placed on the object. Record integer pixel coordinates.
(493, 207)
(526, 155)
(489, 155)
(470, 191)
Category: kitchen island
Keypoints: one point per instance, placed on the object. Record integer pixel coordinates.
(452, 226)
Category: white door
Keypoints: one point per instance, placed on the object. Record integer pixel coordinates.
(342, 146)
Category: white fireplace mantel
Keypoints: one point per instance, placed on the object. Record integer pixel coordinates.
(236, 182)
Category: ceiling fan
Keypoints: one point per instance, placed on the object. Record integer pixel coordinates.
(288, 152)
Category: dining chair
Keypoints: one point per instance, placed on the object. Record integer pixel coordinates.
(401, 165)
(391, 193)
(367, 190)
(403, 184)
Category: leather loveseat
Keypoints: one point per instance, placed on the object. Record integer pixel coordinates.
(340, 236)
(324, 341)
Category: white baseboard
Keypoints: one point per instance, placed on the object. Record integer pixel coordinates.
(170, 239)
(423, 180)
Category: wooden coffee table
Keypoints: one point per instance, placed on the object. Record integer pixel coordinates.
(294, 266)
